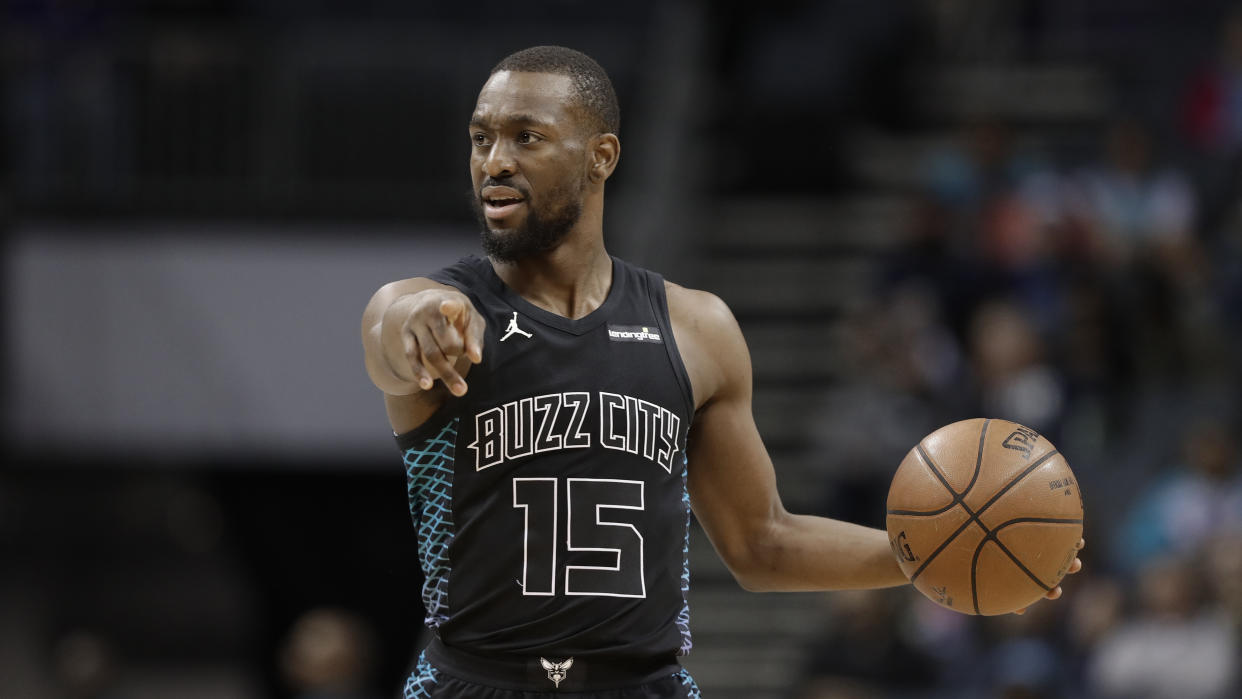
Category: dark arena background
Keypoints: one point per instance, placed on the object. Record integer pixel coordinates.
(919, 211)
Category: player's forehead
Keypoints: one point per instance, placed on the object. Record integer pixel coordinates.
(510, 96)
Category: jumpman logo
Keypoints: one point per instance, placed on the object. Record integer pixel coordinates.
(514, 329)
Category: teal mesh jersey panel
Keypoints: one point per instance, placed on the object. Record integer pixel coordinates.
(429, 483)
(683, 617)
(421, 681)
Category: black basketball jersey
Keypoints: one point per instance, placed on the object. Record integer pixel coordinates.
(550, 500)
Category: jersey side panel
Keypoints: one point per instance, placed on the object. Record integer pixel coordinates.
(429, 465)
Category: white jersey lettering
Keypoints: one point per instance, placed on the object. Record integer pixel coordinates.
(557, 421)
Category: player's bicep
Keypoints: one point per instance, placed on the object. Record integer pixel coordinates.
(733, 486)
(731, 479)
(408, 412)
(730, 474)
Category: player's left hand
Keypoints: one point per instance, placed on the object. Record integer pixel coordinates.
(1055, 593)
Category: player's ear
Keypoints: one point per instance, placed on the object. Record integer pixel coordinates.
(605, 152)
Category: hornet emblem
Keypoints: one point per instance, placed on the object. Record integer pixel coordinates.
(556, 671)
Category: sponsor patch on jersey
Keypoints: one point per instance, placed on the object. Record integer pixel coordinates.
(634, 333)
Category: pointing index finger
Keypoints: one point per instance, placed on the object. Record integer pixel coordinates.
(452, 310)
(474, 336)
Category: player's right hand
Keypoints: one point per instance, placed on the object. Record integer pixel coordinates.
(427, 333)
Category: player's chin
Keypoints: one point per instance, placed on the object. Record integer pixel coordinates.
(507, 227)
(498, 230)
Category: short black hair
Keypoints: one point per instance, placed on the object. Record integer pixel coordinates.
(592, 88)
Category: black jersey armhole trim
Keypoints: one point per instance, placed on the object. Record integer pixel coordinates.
(417, 436)
(659, 304)
(453, 275)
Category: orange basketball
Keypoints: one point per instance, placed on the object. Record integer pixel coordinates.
(984, 516)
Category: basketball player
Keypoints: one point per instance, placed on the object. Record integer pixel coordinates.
(560, 412)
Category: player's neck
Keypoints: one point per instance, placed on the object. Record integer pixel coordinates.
(570, 281)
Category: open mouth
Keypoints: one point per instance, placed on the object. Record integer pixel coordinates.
(499, 202)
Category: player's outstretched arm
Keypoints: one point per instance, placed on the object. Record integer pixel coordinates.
(417, 331)
(733, 484)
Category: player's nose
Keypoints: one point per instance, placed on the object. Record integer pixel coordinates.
(499, 161)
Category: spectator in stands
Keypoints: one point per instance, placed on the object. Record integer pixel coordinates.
(1174, 647)
(1095, 613)
(859, 655)
(1128, 203)
(1139, 217)
(961, 173)
(1013, 376)
(997, 209)
(1192, 503)
(962, 176)
(1024, 656)
(328, 655)
(1223, 567)
(1212, 124)
(1212, 111)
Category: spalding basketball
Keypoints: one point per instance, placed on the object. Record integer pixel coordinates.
(984, 516)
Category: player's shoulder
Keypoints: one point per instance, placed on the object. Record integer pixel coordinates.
(709, 339)
(701, 311)
(702, 315)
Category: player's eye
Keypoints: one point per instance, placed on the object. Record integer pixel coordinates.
(479, 138)
(527, 138)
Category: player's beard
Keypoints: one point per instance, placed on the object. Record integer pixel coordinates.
(543, 229)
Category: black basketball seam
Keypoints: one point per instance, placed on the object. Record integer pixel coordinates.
(931, 465)
(948, 540)
(957, 500)
(974, 565)
(957, 497)
(922, 513)
(983, 435)
(1029, 469)
(974, 570)
(1044, 520)
(974, 587)
(992, 536)
(974, 516)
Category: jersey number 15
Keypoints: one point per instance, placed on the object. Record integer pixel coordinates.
(606, 552)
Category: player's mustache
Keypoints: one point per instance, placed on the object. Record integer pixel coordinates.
(490, 181)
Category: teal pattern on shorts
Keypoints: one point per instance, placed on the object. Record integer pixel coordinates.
(421, 681)
(692, 689)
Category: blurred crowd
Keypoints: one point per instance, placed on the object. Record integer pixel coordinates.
(1087, 284)
(1156, 613)
(1096, 295)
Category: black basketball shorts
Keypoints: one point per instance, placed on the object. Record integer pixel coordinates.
(444, 674)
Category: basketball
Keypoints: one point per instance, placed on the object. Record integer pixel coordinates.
(984, 516)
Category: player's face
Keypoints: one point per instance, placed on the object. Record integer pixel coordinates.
(528, 162)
